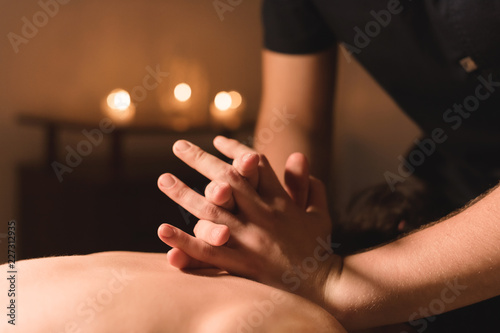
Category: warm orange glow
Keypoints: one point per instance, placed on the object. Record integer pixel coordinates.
(223, 101)
(182, 92)
(236, 99)
(119, 99)
(118, 106)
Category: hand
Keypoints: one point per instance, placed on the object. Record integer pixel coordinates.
(273, 239)
(245, 161)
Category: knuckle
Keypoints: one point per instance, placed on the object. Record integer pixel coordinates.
(182, 193)
(278, 212)
(182, 240)
(233, 175)
(268, 213)
(210, 211)
(198, 155)
(207, 252)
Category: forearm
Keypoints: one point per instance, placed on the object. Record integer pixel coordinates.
(291, 139)
(446, 266)
(296, 108)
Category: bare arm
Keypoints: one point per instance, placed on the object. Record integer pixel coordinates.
(443, 267)
(295, 116)
(299, 88)
(446, 266)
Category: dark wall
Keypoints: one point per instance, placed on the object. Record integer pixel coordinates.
(91, 47)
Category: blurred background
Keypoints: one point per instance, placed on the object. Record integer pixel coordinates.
(61, 63)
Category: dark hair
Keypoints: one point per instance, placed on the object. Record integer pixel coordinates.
(380, 214)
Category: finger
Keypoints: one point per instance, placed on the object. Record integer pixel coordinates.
(317, 196)
(297, 178)
(203, 162)
(177, 238)
(248, 166)
(220, 194)
(245, 159)
(215, 169)
(231, 148)
(181, 260)
(218, 256)
(269, 185)
(212, 233)
(193, 202)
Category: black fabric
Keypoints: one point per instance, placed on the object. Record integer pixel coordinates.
(295, 27)
(415, 54)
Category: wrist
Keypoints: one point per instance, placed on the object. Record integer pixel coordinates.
(325, 281)
(331, 282)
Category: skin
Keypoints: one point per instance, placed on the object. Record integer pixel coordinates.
(245, 162)
(65, 294)
(277, 250)
(303, 85)
(386, 285)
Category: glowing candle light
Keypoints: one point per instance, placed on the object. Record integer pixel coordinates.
(182, 92)
(236, 99)
(118, 106)
(119, 100)
(223, 101)
(226, 108)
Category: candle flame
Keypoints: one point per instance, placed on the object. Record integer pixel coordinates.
(182, 92)
(119, 99)
(223, 101)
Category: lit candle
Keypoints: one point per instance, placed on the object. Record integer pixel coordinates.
(236, 100)
(118, 106)
(182, 92)
(178, 107)
(226, 109)
(223, 101)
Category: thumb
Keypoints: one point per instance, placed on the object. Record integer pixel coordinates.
(317, 196)
(297, 179)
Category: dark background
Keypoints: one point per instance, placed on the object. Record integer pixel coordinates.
(92, 47)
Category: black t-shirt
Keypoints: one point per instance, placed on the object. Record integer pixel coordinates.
(439, 60)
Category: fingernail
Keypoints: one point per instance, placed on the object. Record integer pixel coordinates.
(248, 156)
(166, 231)
(167, 181)
(182, 145)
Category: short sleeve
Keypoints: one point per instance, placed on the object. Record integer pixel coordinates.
(295, 27)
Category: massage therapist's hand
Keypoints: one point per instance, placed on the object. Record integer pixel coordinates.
(245, 161)
(273, 239)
